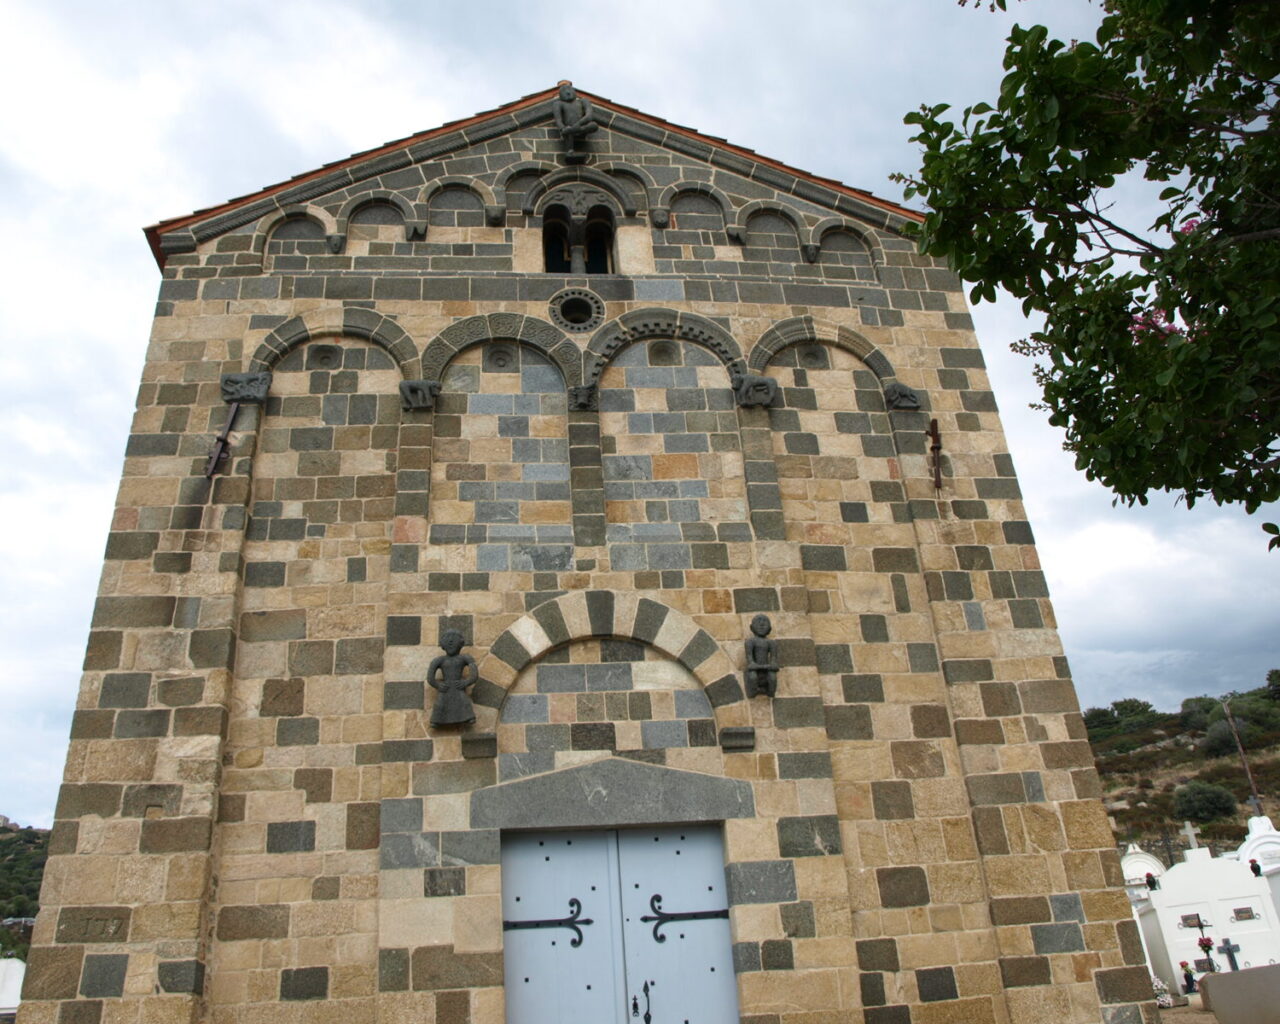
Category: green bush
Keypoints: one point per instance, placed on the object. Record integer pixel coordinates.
(1218, 740)
(1195, 713)
(1203, 801)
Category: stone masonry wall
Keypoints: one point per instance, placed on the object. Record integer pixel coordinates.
(259, 823)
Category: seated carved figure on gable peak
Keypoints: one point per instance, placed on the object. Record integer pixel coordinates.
(574, 121)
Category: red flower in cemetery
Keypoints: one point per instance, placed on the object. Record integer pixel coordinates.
(1205, 943)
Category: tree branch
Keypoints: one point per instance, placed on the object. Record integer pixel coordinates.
(1253, 236)
(1095, 216)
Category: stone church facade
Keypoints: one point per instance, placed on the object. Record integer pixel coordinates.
(595, 392)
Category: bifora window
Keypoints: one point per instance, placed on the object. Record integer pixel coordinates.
(577, 244)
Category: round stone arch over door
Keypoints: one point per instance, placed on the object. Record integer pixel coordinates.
(601, 696)
(581, 615)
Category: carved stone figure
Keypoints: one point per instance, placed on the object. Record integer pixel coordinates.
(762, 659)
(752, 389)
(573, 120)
(246, 388)
(899, 396)
(451, 674)
(418, 394)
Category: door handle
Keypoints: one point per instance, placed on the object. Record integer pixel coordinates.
(635, 1005)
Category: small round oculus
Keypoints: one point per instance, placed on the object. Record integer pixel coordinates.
(577, 309)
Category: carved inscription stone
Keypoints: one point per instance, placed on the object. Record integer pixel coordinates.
(93, 924)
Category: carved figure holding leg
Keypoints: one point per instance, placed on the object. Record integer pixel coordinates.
(451, 674)
(762, 659)
(573, 117)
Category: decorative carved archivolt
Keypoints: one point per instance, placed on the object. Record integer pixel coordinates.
(578, 198)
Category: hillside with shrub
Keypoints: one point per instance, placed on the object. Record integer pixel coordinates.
(23, 852)
(1159, 769)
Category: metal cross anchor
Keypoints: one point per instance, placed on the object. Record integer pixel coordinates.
(1229, 949)
(935, 436)
(655, 904)
(222, 443)
(572, 922)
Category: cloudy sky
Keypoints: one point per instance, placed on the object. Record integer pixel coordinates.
(116, 115)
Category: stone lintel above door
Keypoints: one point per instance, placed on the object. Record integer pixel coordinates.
(612, 792)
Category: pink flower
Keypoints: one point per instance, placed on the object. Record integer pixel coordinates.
(1151, 324)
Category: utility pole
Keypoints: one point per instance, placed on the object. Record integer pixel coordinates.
(1253, 789)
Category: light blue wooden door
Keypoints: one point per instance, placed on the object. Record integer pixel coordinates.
(561, 941)
(628, 927)
(675, 925)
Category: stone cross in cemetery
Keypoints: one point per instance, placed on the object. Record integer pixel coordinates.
(1229, 950)
(1190, 831)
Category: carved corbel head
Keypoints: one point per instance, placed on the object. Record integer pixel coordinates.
(584, 398)
(899, 396)
(752, 390)
(246, 388)
(418, 394)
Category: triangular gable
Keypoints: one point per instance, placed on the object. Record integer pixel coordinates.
(181, 234)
